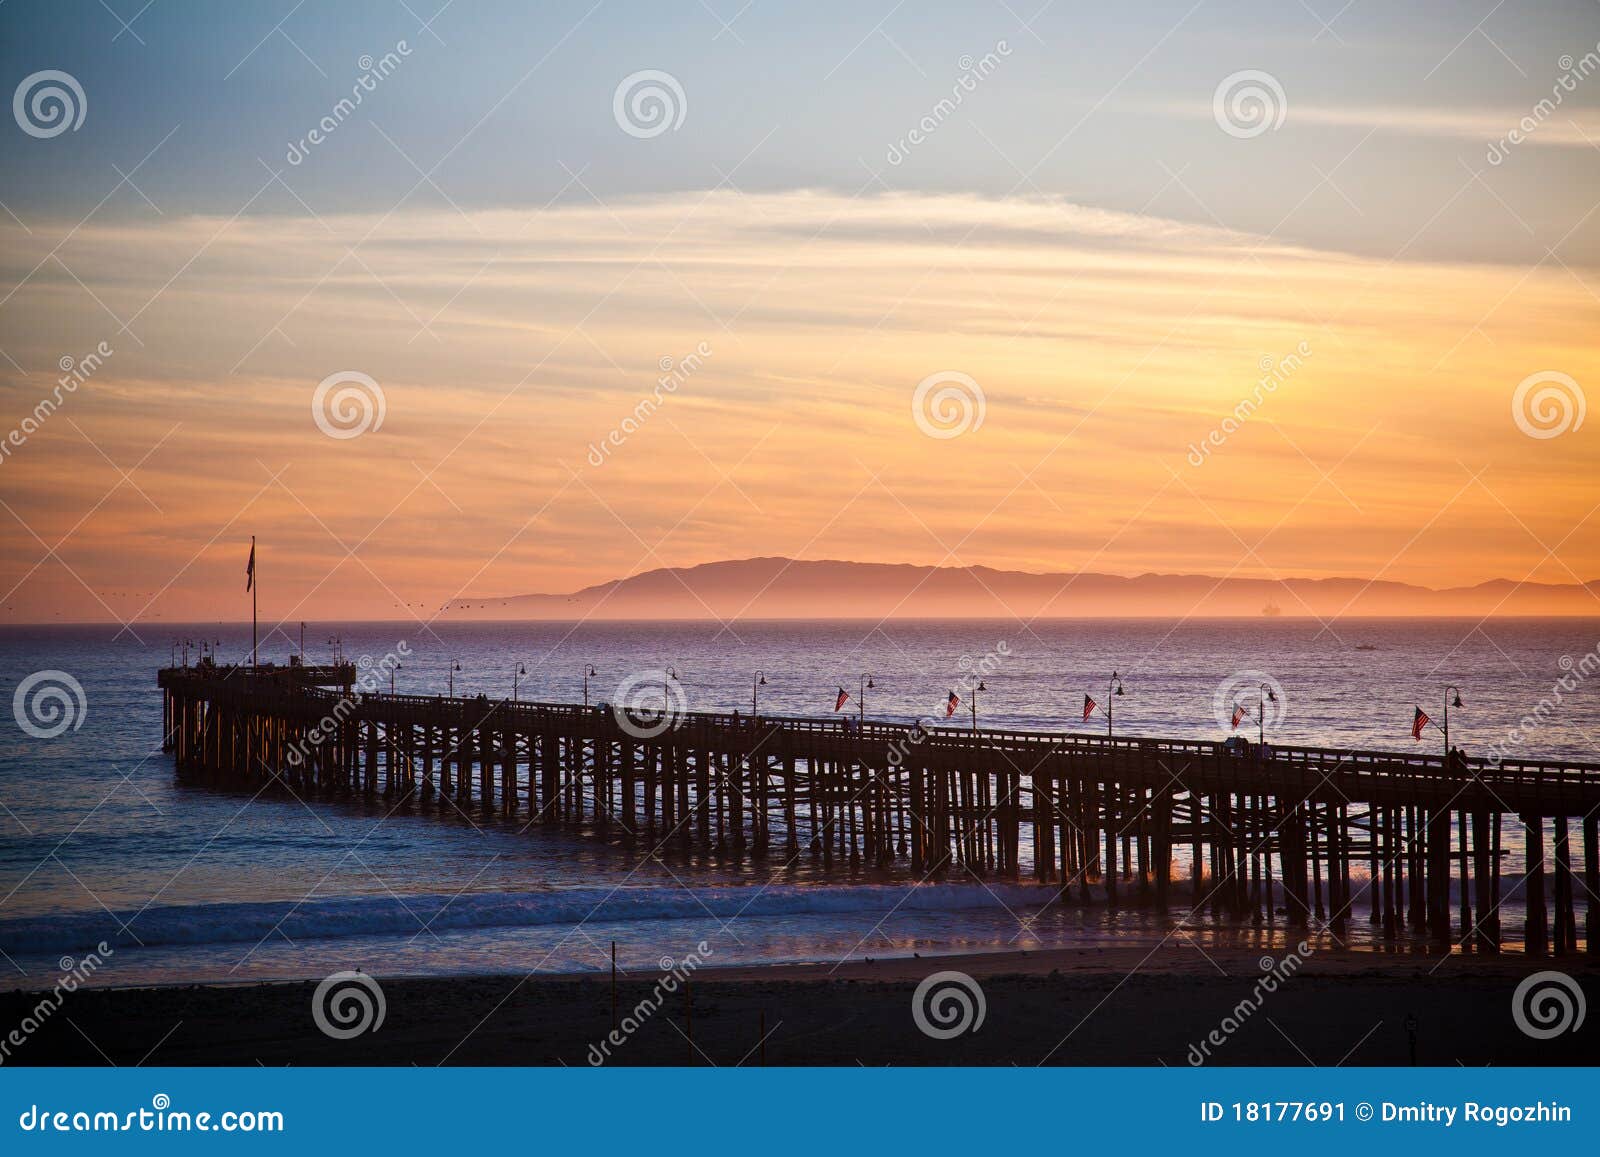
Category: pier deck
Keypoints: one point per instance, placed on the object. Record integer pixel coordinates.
(1329, 835)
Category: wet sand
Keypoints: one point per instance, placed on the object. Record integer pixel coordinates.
(1124, 1006)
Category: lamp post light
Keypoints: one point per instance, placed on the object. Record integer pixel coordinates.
(862, 688)
(1265, 695)
(392, 670)
(1452, 698)
(757, 681)
(588, 671)
(1113, 689)
(515, 675)
(455, 665)
(975, 690)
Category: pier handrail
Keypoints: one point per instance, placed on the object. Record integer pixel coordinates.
(311, 683)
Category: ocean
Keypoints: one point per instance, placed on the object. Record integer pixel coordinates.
(100, 844)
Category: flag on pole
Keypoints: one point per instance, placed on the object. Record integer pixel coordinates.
(250, 567)
(843, 698)
(951, 704)
(1238, 715)
(1420, 721)
(1088, 708)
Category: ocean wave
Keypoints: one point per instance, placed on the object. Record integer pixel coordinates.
(325, 919)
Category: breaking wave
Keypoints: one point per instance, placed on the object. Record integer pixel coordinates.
(325, 919)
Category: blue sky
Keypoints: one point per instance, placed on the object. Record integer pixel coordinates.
(1105, 105)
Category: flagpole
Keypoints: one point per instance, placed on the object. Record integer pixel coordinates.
(253, 585)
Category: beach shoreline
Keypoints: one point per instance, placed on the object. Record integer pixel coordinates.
(1136, 1005)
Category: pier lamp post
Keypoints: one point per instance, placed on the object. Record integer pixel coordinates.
(862, 687)
(1452, 698)
(589, 671)
(975, 690)
(392, 670)
(1113, 689)
(757, 681)
(455, 665)
(1264, 696)
(515, 675)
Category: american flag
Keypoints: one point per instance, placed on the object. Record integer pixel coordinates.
(951, 704)
(250, 567)
(1088, 708)
(1420, 721)
(840, 702)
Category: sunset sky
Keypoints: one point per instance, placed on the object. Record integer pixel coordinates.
(1080, 235)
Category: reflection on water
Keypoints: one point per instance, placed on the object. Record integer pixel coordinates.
(94, 823)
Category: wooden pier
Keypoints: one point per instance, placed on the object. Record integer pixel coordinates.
(1301, 835)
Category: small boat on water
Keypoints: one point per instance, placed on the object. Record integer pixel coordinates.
(1272, 610)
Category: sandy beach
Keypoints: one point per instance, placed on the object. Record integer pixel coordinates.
(1126, 1006)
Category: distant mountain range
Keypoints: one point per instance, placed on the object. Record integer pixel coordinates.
(783, 588)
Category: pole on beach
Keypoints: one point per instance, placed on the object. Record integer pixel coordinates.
(688, 1017)
(613, 986)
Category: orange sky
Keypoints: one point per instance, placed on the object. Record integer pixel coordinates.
(507, 343)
